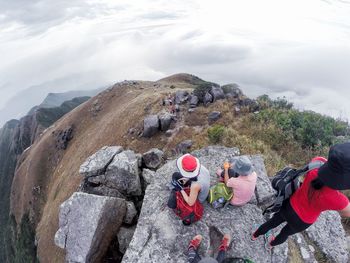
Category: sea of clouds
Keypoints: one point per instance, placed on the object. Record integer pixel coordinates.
(298, 49)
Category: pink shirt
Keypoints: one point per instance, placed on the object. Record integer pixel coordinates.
(243, 188)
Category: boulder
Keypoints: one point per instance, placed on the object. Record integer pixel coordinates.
(97, 163)
(252, 105)
(307, 252)
(165, 121)
(208, 98)
(153, 159)
(183, 147)
(150, 125)
(264, 191)
(124, 237)
(161, 237)
(214, 116)
(329, 236)
(123, 174)
(237, 109)
(63, 137)
(131, 213)
(87, 225)
(194, 101)
(232, 90)
(102, 190)
(217, 93)
(148, 175)
(181, 96)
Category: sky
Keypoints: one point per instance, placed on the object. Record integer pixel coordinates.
(298, 49)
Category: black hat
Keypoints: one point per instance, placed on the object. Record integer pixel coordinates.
(335, 173)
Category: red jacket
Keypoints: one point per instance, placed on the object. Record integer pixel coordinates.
(324, 199)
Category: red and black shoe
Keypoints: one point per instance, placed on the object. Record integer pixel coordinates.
(225, 243)
(195, 242)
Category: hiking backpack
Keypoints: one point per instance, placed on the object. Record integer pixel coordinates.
(286, 182)
(219, 195)
(188, 214)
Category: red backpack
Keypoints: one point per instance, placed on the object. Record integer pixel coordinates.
(188, 214)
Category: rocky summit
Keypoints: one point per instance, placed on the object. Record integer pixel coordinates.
(161, 237)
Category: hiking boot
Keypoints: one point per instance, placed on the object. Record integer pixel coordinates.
(269, 237)
(254, 229)
(225, 242)
(195, 242)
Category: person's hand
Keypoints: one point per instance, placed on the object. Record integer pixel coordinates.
(177, 185)
(227, 165)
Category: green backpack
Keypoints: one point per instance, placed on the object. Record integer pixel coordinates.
(219, 195)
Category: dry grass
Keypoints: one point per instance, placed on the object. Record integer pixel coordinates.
(294, 255)
(56, 171)
(123, 107)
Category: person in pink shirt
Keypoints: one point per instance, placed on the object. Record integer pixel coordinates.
(243, 184)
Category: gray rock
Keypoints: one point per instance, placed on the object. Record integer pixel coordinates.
(63, 137)
(148, 175)
(97, 163)
(103, 191)
(161, 237)
(124, 237)
(181, 96)
(306, 252)
(131, 213)
(183, 147)
(217, 93)
(139, 159)
(194, 101)
(222, 153)
(153, 159)
(87, 224)
(165, 121)
(208, 98)
(150, 125)
(232, 90)
(264, 191)
(123, 174)
(214, 116)
(252, 105)
(237, 109)
(329, 236)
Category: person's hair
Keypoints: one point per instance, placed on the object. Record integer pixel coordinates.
(315, 185)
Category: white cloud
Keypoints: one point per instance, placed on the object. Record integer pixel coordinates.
(295, 48)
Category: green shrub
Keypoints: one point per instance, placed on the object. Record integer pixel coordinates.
(265, 102)
(310, 129)
(216, 133)
(201, 90)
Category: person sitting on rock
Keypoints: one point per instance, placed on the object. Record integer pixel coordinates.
(319, 192)
(194, 175)
(241, 177)
(194, 257)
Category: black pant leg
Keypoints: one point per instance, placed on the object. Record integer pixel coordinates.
(283, 235)
(274, 222)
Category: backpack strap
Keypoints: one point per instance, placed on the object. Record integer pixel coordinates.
(307, 168)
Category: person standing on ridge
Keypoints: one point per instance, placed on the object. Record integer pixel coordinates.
(319, 192)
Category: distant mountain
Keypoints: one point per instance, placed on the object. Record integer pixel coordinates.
(47, 173)
(23, 101)
(15, 137)
(56, 99)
